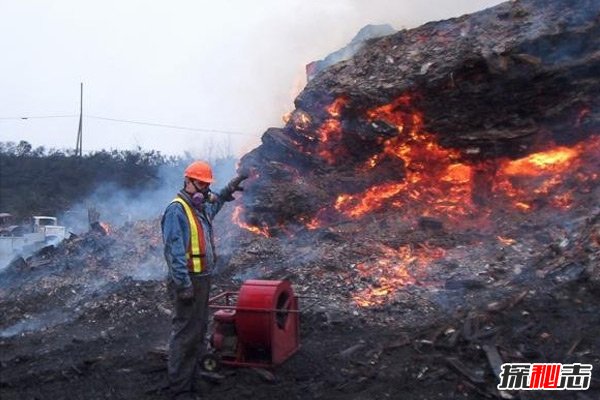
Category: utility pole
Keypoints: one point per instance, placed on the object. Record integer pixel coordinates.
(79, 145)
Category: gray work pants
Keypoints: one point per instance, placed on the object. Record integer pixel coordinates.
(188, 331)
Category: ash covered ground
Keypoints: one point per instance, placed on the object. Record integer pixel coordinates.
(90, 319)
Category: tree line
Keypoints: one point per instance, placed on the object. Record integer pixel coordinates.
(44, 181)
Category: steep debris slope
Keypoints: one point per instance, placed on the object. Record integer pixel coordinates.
(468, 92)
(519, 69)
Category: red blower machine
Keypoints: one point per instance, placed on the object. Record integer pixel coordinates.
(261, 330)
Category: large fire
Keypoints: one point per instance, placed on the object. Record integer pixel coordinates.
(438, 183)
(435, 182)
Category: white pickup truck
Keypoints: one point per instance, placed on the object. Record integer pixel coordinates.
(43, 231)
(49, 227)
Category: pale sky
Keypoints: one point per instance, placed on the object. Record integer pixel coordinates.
(223, 65)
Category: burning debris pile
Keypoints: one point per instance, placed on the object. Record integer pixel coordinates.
(381, 130)
(453, 134)
(444, 181)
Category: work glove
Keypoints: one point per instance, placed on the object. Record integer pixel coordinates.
(232, 187)
(186, 294)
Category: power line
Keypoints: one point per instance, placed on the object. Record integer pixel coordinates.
(185, 128)
(40, 116)
(128, 121)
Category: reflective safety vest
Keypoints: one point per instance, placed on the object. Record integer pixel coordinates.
(196, 248)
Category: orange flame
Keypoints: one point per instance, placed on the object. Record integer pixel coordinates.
(107, 228)
(371, 162)
(373, 198)
(564, 201)
(522, 206)
(235, 217)
(556, 160)
(314, 223)
(543, 173)
(436, 182)
(506, 241)
(335, 108)
(301, 120)
(329, 134)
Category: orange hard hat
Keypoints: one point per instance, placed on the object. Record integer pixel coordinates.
(200, 171)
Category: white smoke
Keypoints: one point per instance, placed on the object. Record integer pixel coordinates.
(118, 205)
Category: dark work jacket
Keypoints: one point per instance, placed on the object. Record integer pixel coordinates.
(176, 237)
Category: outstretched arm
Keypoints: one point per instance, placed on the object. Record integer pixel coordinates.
(225, 195)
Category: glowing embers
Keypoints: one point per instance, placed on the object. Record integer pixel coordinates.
(329, 134)
(263, 230)
(335, 108)
(358, 205)
(316, 221)
(393, 270)
(435, 183)
(418, 177)
(555, 160)
(506, 241)
(300, 119)
(548, 176)
(106, 228)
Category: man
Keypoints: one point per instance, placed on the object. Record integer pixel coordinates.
(190, 255)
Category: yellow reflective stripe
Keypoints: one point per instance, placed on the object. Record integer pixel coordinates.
(195, 240)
